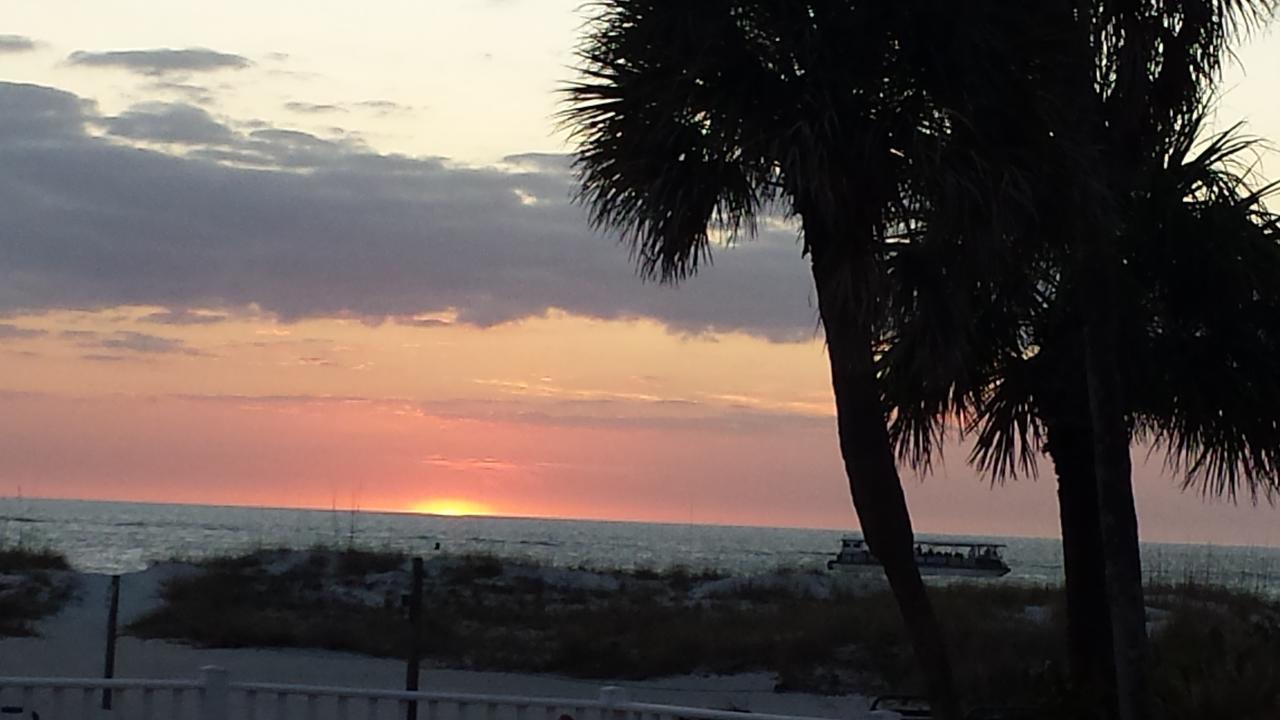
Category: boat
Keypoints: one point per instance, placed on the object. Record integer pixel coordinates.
(933, 557)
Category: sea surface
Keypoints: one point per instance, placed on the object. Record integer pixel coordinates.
(112, 537)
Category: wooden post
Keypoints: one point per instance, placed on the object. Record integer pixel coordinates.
(415, 635)
(109, 665)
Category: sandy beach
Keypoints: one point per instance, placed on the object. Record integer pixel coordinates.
(71, 645)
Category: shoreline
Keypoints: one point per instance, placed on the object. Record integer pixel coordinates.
(358, 512)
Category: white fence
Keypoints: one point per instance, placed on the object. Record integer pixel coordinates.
(215, 697)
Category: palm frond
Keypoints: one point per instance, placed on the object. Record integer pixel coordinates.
(661, 118)
(1207, 386)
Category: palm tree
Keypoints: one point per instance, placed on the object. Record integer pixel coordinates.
(883, 130)
(1151, 64)
(1201, 362)
(1192, 323)
(696, 119)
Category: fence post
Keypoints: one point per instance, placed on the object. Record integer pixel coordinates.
(613, 698)
(109, 662)
(415, 635)
(215, 697)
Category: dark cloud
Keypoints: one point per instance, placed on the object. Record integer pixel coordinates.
(17, 44)
(183, 317)
(209, 138)
(313, 108)
(33, 114)
(13, 332)
(161, 61)
(301, 226)
(127, 340)
(175, 123)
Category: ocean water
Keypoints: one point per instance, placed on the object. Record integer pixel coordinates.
(113, 537)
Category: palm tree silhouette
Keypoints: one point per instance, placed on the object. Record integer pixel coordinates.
(1143, 307)
(696, 119)
(984, 197)
(1201, 361)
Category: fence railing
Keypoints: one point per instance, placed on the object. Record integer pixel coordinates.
(213, 696)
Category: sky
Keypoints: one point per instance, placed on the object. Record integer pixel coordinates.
(323, 254)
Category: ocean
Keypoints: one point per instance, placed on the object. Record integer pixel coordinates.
(117, 537)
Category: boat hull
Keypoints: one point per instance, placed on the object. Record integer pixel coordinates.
(927, 570)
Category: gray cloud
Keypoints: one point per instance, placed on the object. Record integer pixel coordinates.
(127, 340)
(375, 106)
(313, 108)
(183, 317)
(384, 107)
(31, 114)
(422, 322)
(301, 226)
(144, 343)
(175, 123)
(13, 332)
(161, 61)
(17, 44)
(104, 358)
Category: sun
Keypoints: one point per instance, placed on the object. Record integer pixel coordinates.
(451, 507)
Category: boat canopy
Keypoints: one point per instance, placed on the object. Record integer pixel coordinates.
(854, 539)
(940, 543)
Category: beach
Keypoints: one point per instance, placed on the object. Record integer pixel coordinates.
(71, 645)
(786, 642)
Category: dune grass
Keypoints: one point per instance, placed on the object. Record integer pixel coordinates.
(484, 613)
(34, 587)
(1218, 650)
(23, 558)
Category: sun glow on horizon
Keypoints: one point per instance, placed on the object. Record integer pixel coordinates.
(451, 507)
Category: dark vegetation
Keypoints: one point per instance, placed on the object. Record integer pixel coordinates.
(1216, 653)
(1218, 656)
(34, 583)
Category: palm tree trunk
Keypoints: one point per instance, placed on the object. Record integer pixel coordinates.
(1117, 515)
(873, 475)
(1089, 644)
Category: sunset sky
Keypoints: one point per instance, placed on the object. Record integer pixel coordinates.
(322, 253)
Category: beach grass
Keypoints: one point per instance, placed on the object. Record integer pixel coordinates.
(1215, 648)
(34, 587)
(22, 558)
(485, 613)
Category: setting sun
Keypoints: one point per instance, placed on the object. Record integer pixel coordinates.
(451, 507)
